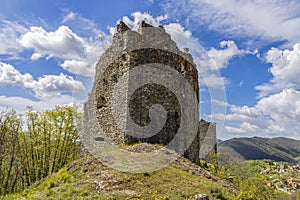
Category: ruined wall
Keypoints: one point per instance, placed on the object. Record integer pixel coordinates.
(121, 68)
(208, 138)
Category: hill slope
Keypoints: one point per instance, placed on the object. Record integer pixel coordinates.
(278, 149)
(87, 178)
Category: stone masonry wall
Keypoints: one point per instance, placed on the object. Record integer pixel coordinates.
(208, 138)
(130, 50)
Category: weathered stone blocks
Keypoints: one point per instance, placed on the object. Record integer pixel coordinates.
(120, 108)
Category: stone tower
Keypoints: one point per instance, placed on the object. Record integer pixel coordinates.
(145, 90)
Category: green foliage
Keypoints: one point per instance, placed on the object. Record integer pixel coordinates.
(255, 187)
(101, 36)
(35, 144)
(10, 128)
(211, 164)
(64, 175)
(217, 193)
(246, 175)
(253, 184)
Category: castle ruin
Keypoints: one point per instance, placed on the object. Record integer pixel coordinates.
(166, 103)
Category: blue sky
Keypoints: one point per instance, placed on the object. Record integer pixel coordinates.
(247, 53)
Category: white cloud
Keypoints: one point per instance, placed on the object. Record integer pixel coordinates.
(138, 17)
(79, 54)
(285, 70)
(216, 59)
(272, 116)
(19, 104)
(245, 128)
(78, 67)
(246, 111)
(50, 85)
(62, 43)
(9, 32)
(10, 75)
(45, 86)
(277, 112)
(234, 130)
(214, 81)
(212, 61)
(184, 38)
(36, 56)
(217, 102)
(283, 107)
(69, 16)
(266, 19)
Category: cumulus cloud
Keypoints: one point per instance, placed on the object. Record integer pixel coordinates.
(284, 108)
(63, 43)
(266, 19)
(10, 75)
(178, 33)
(49, 85)
(79, 55)
(245, 128)
(285, 70)
(76, 54)
(216, 59)
(9, 31)
(277, 111)
(45, 86)
(184, 38)
(275, 115)
(212, 61)
(78, 67)
(137, 18)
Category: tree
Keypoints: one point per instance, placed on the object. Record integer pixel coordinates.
(10, 127)
(37, 146)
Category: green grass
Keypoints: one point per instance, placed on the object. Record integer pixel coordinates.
(96, 181)
(87, 178)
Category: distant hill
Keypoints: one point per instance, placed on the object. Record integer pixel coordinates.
(256, 148)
